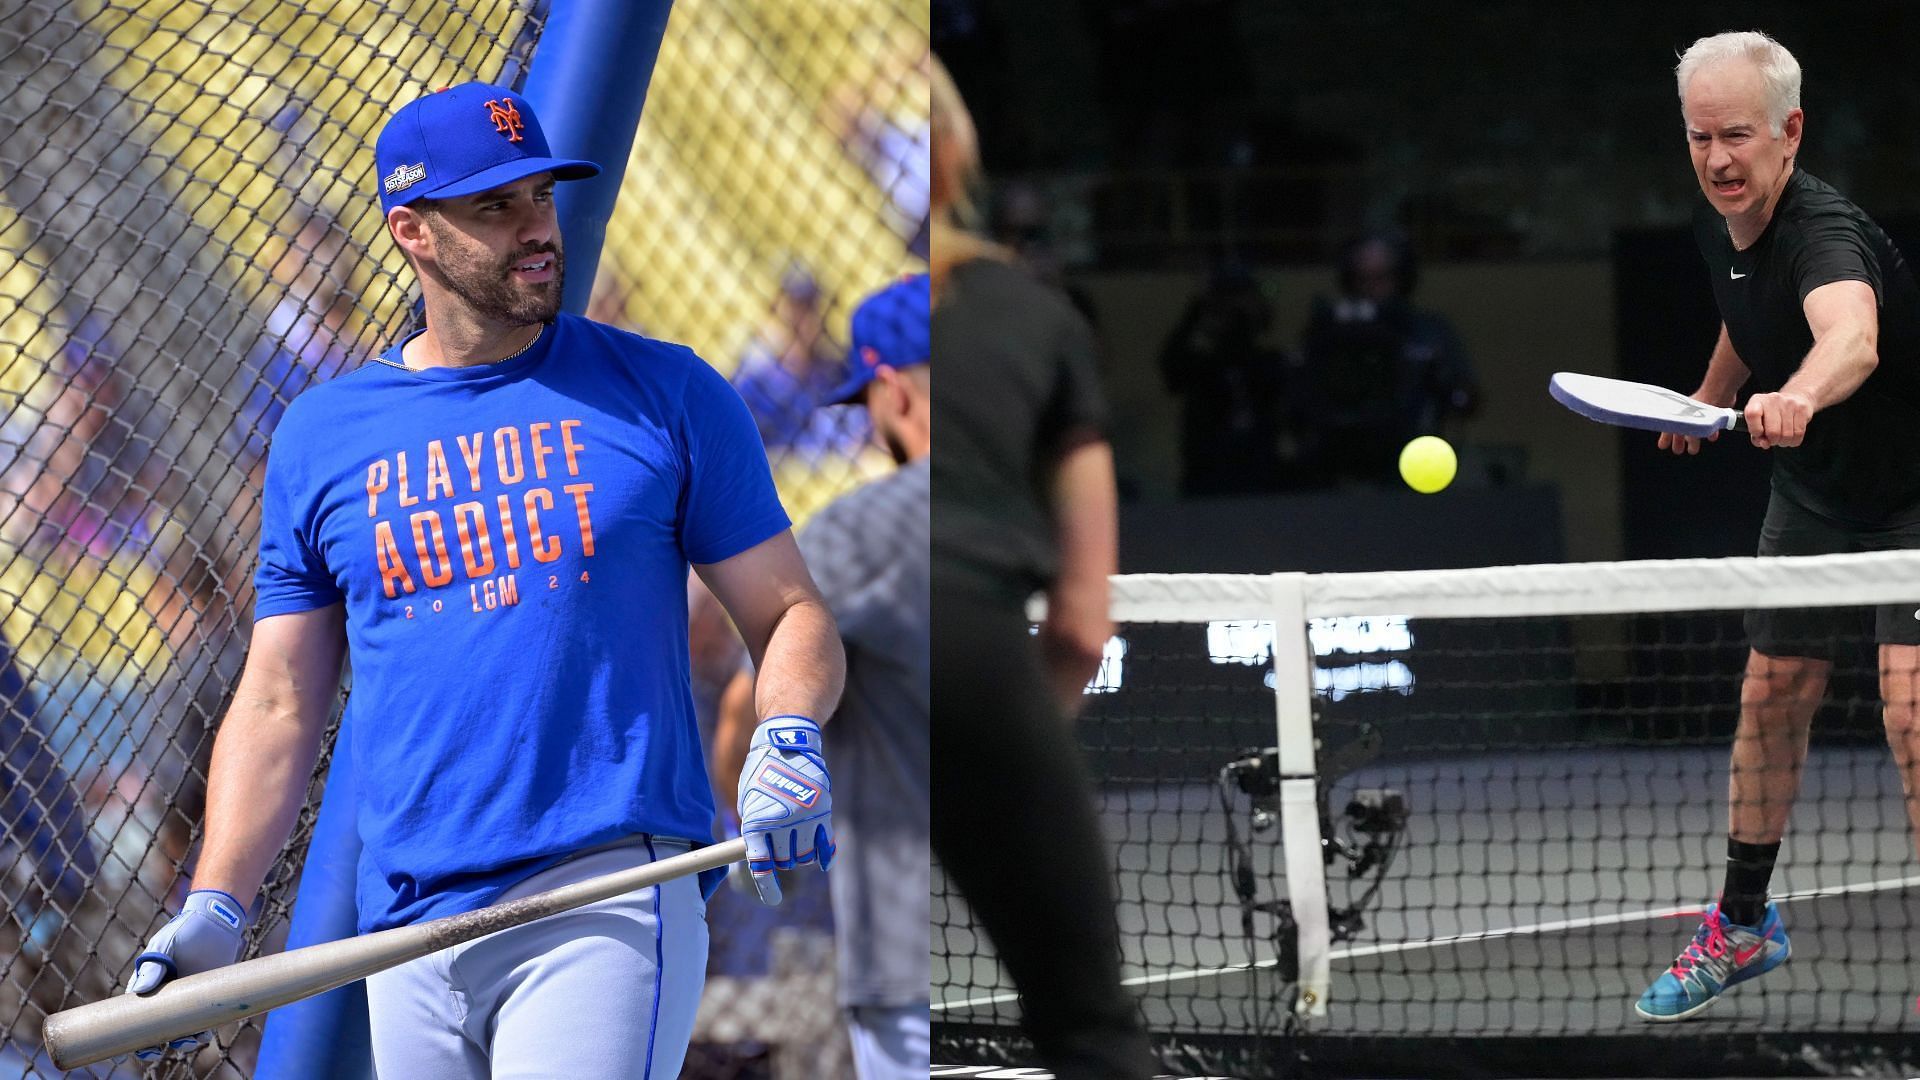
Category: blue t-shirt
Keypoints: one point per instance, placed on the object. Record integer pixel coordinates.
(511, 542)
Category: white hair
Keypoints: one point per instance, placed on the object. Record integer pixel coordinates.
(1779, 71)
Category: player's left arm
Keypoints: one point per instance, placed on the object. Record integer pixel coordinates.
(785, 797)
(1845, 319)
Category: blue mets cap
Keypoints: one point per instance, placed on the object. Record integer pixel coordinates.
(889, 327)
(464, 140)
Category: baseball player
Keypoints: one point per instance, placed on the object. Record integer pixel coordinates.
(869, 548)
(494, 521)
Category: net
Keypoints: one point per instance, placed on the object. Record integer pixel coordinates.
(1467, 846)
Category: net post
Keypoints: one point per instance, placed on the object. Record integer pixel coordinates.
(589, 82)
(1299, 793)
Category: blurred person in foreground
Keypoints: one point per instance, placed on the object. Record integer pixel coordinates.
(867, 551)
(1377, 369)
(1023, 501)
(1820, 320)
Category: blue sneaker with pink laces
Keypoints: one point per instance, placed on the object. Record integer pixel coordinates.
(1721, 955)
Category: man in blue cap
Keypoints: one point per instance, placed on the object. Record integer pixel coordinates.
(495, 520)
(868, 550)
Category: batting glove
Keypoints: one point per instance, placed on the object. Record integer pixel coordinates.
(786, 802)
(206, 934)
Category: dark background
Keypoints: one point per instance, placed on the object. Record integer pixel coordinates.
(1520, 147)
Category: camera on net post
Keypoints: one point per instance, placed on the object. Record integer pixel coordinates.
(1373, 812)
(1366, 837)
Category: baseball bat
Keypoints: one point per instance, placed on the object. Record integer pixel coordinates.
(126, 1022)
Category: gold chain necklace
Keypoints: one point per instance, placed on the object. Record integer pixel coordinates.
(530, 344)
(404, 366)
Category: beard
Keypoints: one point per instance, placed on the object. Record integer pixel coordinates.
(891, 440)
(486, 284)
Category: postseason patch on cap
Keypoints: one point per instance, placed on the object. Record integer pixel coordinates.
(405, 176)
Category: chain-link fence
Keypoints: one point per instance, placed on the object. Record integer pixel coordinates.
(188, 240)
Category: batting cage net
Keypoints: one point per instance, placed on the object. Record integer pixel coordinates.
(189, 238)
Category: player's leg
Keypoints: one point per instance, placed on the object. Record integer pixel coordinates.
(1778, 699)
(1900, 703)
(416, 1018)
(1741, 936)
(1014, 826)
(1897, 629)
(606, 991)
(1787, 671)
(890, 1042)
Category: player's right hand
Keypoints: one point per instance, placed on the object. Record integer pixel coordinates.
(786, 802)
(1684, 444)
(1778, 419)
(206, 934)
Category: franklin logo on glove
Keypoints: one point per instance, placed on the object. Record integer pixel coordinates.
(773, 776)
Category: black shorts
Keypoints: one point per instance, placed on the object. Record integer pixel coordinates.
(1826, 633)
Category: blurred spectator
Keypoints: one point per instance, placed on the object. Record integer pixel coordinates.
(882, 125)
(42, 816)
(786, 371)
(1377, 370)
(1229, 385)
(608, 302)
(84, 469)
(307, 338)
(86, 484)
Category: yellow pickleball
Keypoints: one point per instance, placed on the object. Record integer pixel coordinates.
(1427, 464)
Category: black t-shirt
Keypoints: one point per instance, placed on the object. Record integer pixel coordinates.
(1018, 387)
(1857, 464)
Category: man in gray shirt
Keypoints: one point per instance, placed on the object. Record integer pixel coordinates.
(868, 553)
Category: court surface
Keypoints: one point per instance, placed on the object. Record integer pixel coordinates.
(1531, 904)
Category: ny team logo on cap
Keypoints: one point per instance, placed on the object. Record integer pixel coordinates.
(506, 119)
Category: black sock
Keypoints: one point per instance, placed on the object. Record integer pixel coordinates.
(1749, 867)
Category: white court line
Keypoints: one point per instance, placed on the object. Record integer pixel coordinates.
(1455, 939)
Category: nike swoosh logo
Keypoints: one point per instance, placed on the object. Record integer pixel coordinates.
(1736, 274)
(1689, 408)
(1740, 957)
